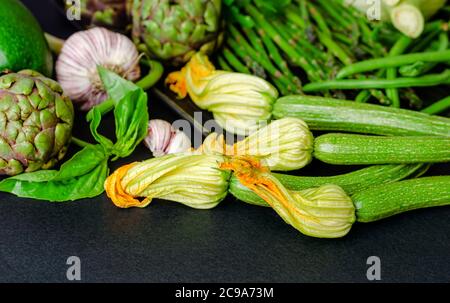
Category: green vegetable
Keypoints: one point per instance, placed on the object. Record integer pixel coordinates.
(172, 31)
(349, 149)
(424, 81)
(438, 107)
(420, 67)
(22, 41)
(84, 174)
(391, 73)
(390, 199)
(339, 115)
(393, 61)
(36, 121)
(351, 182)
(323, 212)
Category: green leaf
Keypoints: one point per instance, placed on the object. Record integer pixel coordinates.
(80, 177)
(96, 119)
(116, 86)
(131, 118)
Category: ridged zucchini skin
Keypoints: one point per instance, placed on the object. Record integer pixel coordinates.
(351, 149)
(327, 114)
(351, 182)
(386, 200)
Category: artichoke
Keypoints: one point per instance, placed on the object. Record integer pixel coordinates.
(111, 14)
(173, 30)
(36, 122)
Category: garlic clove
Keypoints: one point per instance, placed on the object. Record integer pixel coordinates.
(160, 133)
(179, 143)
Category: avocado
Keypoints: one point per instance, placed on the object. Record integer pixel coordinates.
(22, 41)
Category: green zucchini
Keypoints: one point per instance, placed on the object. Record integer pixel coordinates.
(350, 149)
(348, 116)
(386, 200)
(351, 182)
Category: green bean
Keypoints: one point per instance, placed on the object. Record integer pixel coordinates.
(394, 61)
(438, 107)
(428, 80)
(420, 67)
(391, 73)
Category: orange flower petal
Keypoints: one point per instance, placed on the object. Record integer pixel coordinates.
(117, 194)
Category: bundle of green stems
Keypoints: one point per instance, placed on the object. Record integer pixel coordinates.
(314, 41)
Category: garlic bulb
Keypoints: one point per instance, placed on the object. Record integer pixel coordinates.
(76, 67)
(163, 139)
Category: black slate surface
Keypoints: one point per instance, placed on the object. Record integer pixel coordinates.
(235, 242)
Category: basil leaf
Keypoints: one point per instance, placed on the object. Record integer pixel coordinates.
(80, 177)
(82, 162)
(94, 124)
(116, 86)
(131, 118)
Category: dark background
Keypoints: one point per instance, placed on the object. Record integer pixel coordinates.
(235, 242)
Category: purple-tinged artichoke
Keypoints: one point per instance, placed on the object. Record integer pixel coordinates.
(36, 121)
(173, 30)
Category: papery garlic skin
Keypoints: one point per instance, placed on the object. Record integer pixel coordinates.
(160, 133)
(179, 143)
(163, 139)
(76, 67)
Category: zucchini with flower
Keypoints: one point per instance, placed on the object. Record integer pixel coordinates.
(284, 144)
(193, 180)
(327, 211)
(240, 103)
(323, 212)
(351, 183)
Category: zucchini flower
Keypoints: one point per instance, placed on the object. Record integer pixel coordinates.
(323, 212)
(284, 144)
(240, 103)
(193, 180)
